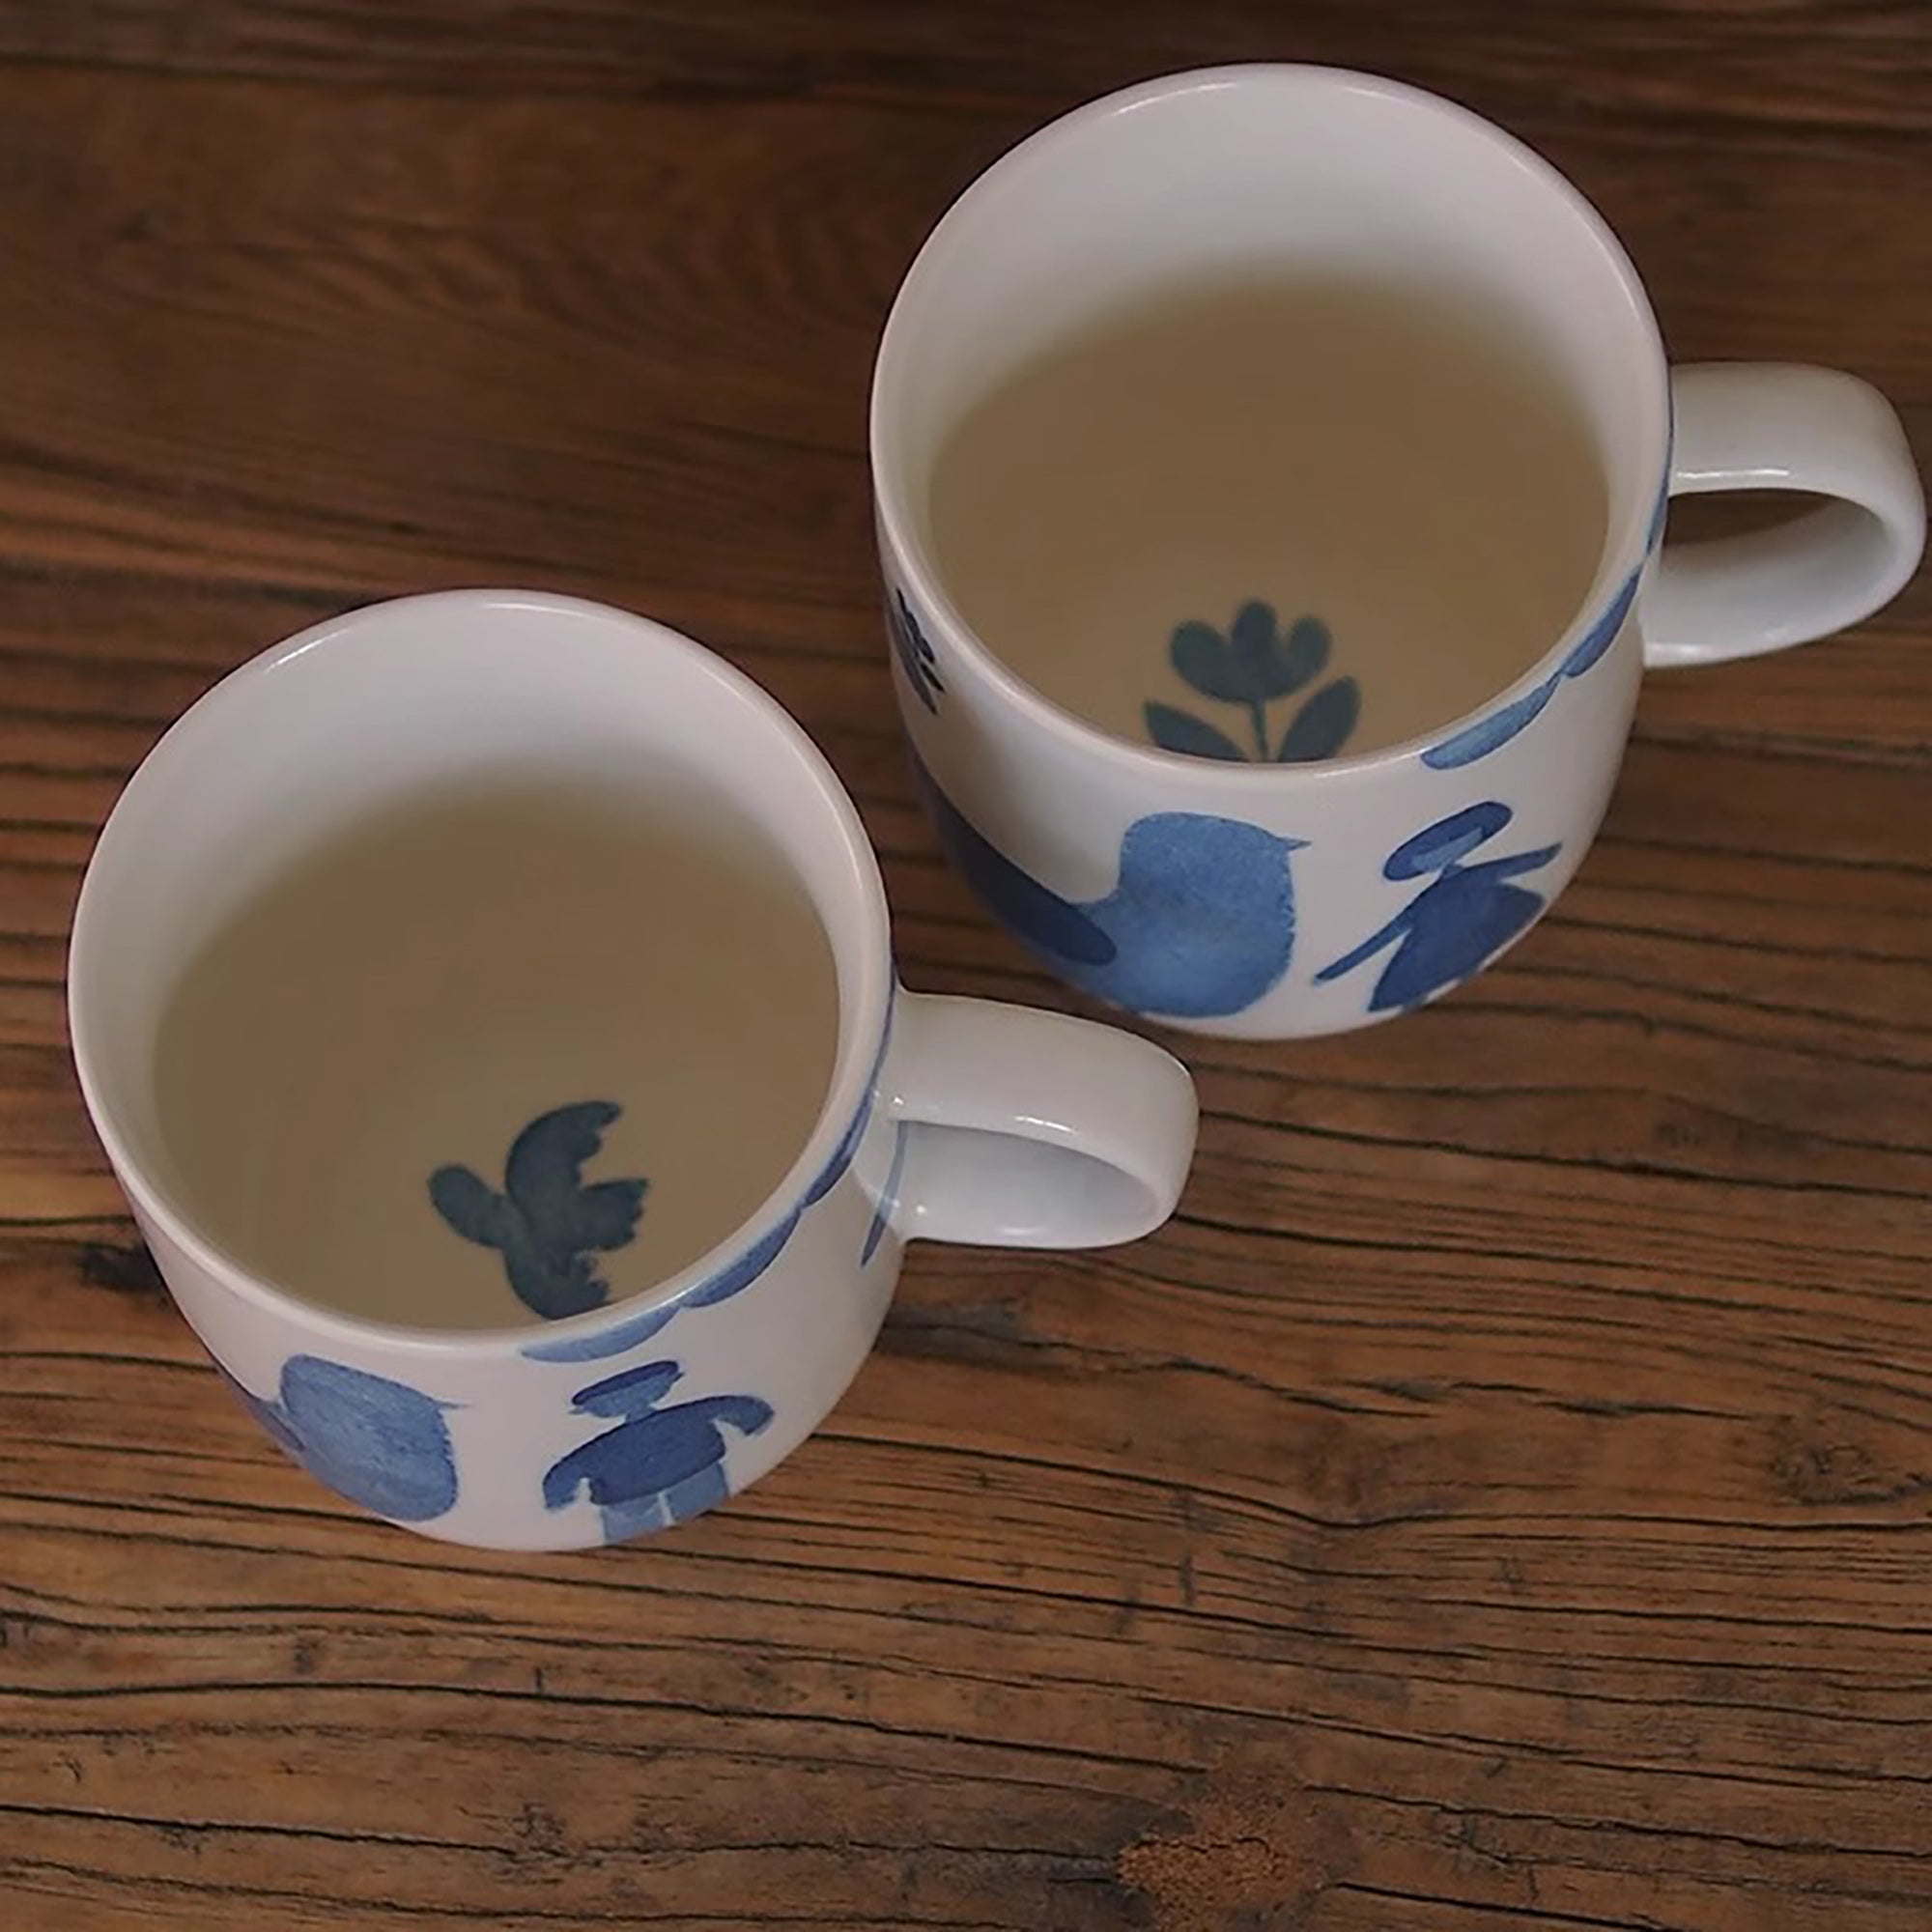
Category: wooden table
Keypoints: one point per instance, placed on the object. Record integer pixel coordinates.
(1502, 1498)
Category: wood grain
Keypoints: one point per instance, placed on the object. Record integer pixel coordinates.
(1499, 1500)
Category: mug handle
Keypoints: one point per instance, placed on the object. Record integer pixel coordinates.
(1030, 1130)
(1783, 426)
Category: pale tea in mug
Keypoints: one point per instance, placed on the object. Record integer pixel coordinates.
(508, 1048)
(1273, 518)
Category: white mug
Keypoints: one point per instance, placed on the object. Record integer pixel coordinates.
(945, 1120)
(1271, 900)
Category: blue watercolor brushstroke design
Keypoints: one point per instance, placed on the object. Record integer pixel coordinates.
(1256, 663)
(547, 1222)
(887, 1203)
(741, 1270)
(1461, 921)
(380, 1443)
(1490, 735)
(664, 1463)
(1201, 923)
(916, 655)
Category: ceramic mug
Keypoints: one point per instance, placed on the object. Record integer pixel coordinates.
(1269, 900)
(945, 1119)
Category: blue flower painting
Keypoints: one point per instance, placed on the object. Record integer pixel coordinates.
(1458, 922)
(1200, 925)
(1254, 665)
(547, 1223)
(379, 1442)
(663, 1462)
(915, 654)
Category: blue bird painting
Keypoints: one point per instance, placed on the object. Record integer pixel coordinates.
(1199, 925)
(547, 1223)
(379, 1442)
(1456, 924)
(663, 1462)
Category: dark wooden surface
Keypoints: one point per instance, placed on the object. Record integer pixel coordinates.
(1501, 1499)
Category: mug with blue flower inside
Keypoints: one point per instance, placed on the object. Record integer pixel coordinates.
(1270, 466)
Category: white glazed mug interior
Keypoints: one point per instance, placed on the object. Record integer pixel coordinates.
(1198, 176)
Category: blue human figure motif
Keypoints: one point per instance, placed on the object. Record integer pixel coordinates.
(379, 1442)
(1454, 926)
(1200, 925)
(660, 1464)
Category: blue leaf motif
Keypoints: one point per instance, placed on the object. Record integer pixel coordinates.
(743, 1269)
(1478, 740)
(1603, 634)
(603, 1341)
(1174, 730)
(1321, 726)
(1493, 732)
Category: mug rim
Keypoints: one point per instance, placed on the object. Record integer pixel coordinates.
(1630, 526)
(856, 1063)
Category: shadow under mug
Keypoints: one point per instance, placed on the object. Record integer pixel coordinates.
(945, 1119)
(1274, 901)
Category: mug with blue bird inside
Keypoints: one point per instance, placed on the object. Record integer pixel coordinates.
(487, 1003)
(1270, 467)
